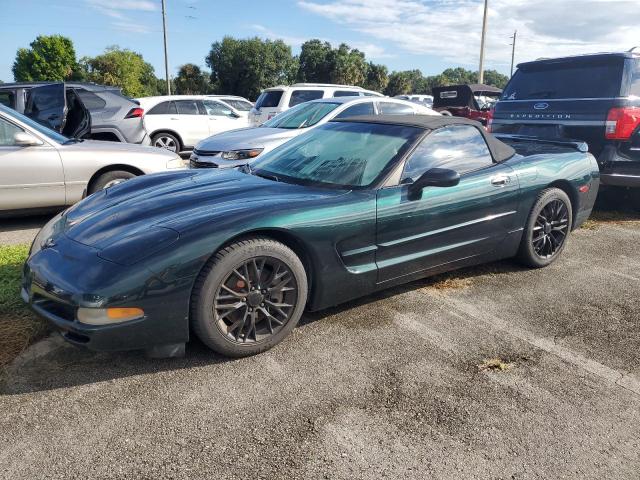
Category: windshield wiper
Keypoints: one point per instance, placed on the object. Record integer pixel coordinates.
(268, 176)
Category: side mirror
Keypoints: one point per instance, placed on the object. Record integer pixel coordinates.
(434, 177)
(234, 115)
(24, 139)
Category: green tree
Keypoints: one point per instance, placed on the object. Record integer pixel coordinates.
(123, 68)
(245, 67)
(191, 80)
(492, 77)
(377, 77)
(314, 65)
(50, 57)
(399, 84)
(348, 66)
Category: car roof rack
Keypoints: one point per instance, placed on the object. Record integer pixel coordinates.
(326, 85)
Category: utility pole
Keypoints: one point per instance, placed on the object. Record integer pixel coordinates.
(513, 49)
(484, 33)
(166, 56)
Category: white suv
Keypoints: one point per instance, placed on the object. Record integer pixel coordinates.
(278, 99)
(178, 122)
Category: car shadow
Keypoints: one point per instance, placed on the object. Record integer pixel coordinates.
(52, 363)
(615, 205)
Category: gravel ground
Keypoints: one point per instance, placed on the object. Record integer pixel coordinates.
(388, 387)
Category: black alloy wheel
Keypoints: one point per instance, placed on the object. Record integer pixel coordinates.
(547, 228)
(255, 300)
(551, 229)
(248, 297)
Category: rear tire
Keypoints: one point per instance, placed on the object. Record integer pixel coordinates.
(248, 297)
(446, 113)
(167, 141)
(110, 179)
(547, 228)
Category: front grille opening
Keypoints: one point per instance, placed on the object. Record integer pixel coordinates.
(59, 309)
(194, 164)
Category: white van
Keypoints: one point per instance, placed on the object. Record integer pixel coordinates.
(278, 99)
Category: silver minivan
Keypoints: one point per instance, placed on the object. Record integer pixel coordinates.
(275, 100)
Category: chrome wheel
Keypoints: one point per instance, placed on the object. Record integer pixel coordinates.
(114, 182)
(550, 229)
(166, 142)
(255, 300)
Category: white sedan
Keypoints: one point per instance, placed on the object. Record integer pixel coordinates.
(232, 149)
(42, 169)
(178, 122)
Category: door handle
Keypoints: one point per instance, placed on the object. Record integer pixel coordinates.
(500, 181)
(212, 118)
(173, 118)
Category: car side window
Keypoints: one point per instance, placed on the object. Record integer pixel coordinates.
(163, 108)
(365, 108)
(90, 99)
(301, 96)
(7, 131)
(345, 93)
(458, 147)
(187, 107)
(635, 80)
(8, 99)
(388, 108)
(216, 109)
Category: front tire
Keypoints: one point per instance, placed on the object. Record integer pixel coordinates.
(167, 141)
(547, 229)
(109, 179)
(248, 297)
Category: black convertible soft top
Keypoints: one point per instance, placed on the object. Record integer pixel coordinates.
(499, 151)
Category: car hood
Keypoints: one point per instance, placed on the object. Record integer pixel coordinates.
(179, 201)
(245, 138)
(111, 148)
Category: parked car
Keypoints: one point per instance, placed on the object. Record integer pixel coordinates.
(469, 101)
(593, 98)
(43, 169)
(348, 208)
(279, 99)
(426, 100)
(235, 148)
(178, 122)
(114, 117)
(240, 104)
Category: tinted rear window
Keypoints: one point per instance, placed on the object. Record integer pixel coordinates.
(345, 93)
(587, 79)
(269, 99)
(8, 99)
(301, 96)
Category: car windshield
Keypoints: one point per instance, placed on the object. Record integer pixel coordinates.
(52, 134)
(302, 116)
(338, 154)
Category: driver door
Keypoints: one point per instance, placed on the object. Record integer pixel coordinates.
(30, 176)
(221, 117)
(445, 224)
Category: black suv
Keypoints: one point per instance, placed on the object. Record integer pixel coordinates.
(593, 98)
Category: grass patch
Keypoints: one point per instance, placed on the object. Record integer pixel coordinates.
(18, 326)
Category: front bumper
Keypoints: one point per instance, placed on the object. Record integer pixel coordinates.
(618, 170)
(67, 275)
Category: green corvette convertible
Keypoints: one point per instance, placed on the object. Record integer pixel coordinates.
(351, 207)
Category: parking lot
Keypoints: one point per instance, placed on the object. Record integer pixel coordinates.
(492, 372)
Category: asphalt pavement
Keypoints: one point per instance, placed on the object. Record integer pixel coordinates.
(494, 372)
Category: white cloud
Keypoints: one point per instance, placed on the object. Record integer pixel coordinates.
(450, 29)
(122, 11)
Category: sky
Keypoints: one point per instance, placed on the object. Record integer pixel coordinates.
(430, 35)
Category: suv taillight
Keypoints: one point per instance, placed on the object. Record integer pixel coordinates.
(135, 113)
(621, 122)
(489, 119)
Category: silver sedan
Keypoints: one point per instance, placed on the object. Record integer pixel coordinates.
(41, 169)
